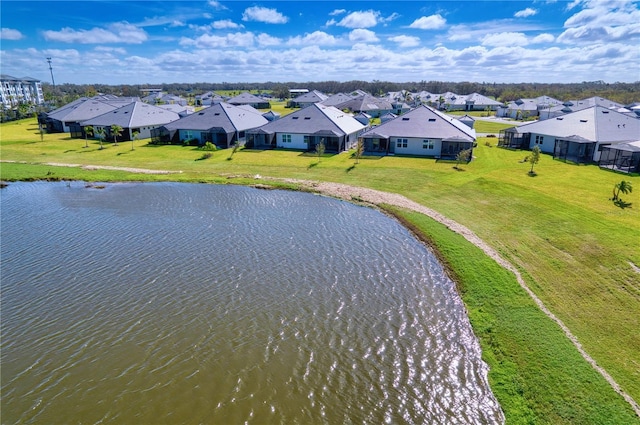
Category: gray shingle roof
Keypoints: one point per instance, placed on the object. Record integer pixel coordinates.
(134, 115)
(423, 122)
(220, 115)
(313, 119)
(597, 123)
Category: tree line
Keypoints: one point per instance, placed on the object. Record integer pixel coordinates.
(624, 93)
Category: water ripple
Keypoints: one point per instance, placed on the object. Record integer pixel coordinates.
(176, 303)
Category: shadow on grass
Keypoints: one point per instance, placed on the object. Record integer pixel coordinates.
(622, 204)
(348, 170)
(313, 164)
(532, 174)
(455, 167)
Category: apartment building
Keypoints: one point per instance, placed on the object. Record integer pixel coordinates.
(14, 91)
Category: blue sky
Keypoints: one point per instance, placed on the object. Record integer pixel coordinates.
(138, 42)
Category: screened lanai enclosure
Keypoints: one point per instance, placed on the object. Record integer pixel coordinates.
(575, 149)
(624, 157)
(511, 139)
(216, 135)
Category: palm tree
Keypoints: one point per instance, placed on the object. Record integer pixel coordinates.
(116, 131)
(359, 150)
(624, 187)
(320, 149)
(88, 131)
(102, 134)
(136, 135)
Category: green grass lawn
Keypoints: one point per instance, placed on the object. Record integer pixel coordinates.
(490, 127)
(573, 246)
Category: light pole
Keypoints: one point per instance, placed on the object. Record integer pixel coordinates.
(51, 70)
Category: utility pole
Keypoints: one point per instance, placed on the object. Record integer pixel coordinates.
(51, 70)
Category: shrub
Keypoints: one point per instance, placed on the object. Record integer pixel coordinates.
(209, 147)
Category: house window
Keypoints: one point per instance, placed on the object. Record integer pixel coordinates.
(539, 139)
(286, 138)
(427, 144)
(401, 143)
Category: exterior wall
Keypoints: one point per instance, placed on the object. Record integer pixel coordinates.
(415, 146)
(297, 141)
(546, 143)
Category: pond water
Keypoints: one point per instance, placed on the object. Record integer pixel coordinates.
(185, 304)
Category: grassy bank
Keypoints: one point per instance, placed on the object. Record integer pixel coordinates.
(573, 246)
(535, 372)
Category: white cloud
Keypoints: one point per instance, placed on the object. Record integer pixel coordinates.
(362, 35)
(390, 18)
(337, 12)
(362, 19)
(10, 34)
(267, 40)
(226, 24)
(405, 40)
(524, 13)
(121, 32)
(105, 49)
(216, 5)
(264, 14)
(316, 38)
(477, 31)
(543, 38)
(177, 23)
(432, 22)
(237, 39)
(505, 39)
(602, 22)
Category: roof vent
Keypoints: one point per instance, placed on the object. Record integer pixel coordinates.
(307, 118)
(605, 112)
(200, 113)
(583, 120)
(559, 118)
(217, 113)
(432, 120)
(405, 119)
(295, 118)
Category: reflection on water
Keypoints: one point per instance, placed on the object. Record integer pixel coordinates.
(180, 303)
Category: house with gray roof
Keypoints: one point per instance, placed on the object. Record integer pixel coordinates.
(368, 104)
(306, 99)
(68, 118)
(423, 131)
(578, 137)
(306, 128)
(137, 117)
(208, 99)
(570, 106)
(336, 99)
(161, 98)
(523, 108)
(221, 124)
(249, 99)
(472, 102)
